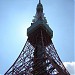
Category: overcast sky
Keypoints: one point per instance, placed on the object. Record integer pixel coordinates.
(16, 16)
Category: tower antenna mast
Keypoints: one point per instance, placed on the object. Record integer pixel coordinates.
(39, 1)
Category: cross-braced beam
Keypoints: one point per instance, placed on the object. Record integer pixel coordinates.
(24, 63)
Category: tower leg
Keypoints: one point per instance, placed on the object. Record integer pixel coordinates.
(39, 67)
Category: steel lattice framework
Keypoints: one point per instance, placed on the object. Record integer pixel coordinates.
(24, 63)
(38, 56)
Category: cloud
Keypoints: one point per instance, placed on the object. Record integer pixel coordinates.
(70, 66)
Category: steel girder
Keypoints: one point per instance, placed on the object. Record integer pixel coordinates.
(24, 63)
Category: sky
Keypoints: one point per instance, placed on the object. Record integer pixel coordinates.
(16, 16)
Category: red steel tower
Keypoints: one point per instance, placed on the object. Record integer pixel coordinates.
(38, 56)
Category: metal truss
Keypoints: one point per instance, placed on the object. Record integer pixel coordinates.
(53, 56)
(24, 63)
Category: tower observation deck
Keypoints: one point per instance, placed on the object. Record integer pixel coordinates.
(38, 56)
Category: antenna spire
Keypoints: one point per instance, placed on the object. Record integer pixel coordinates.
(39, 1)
